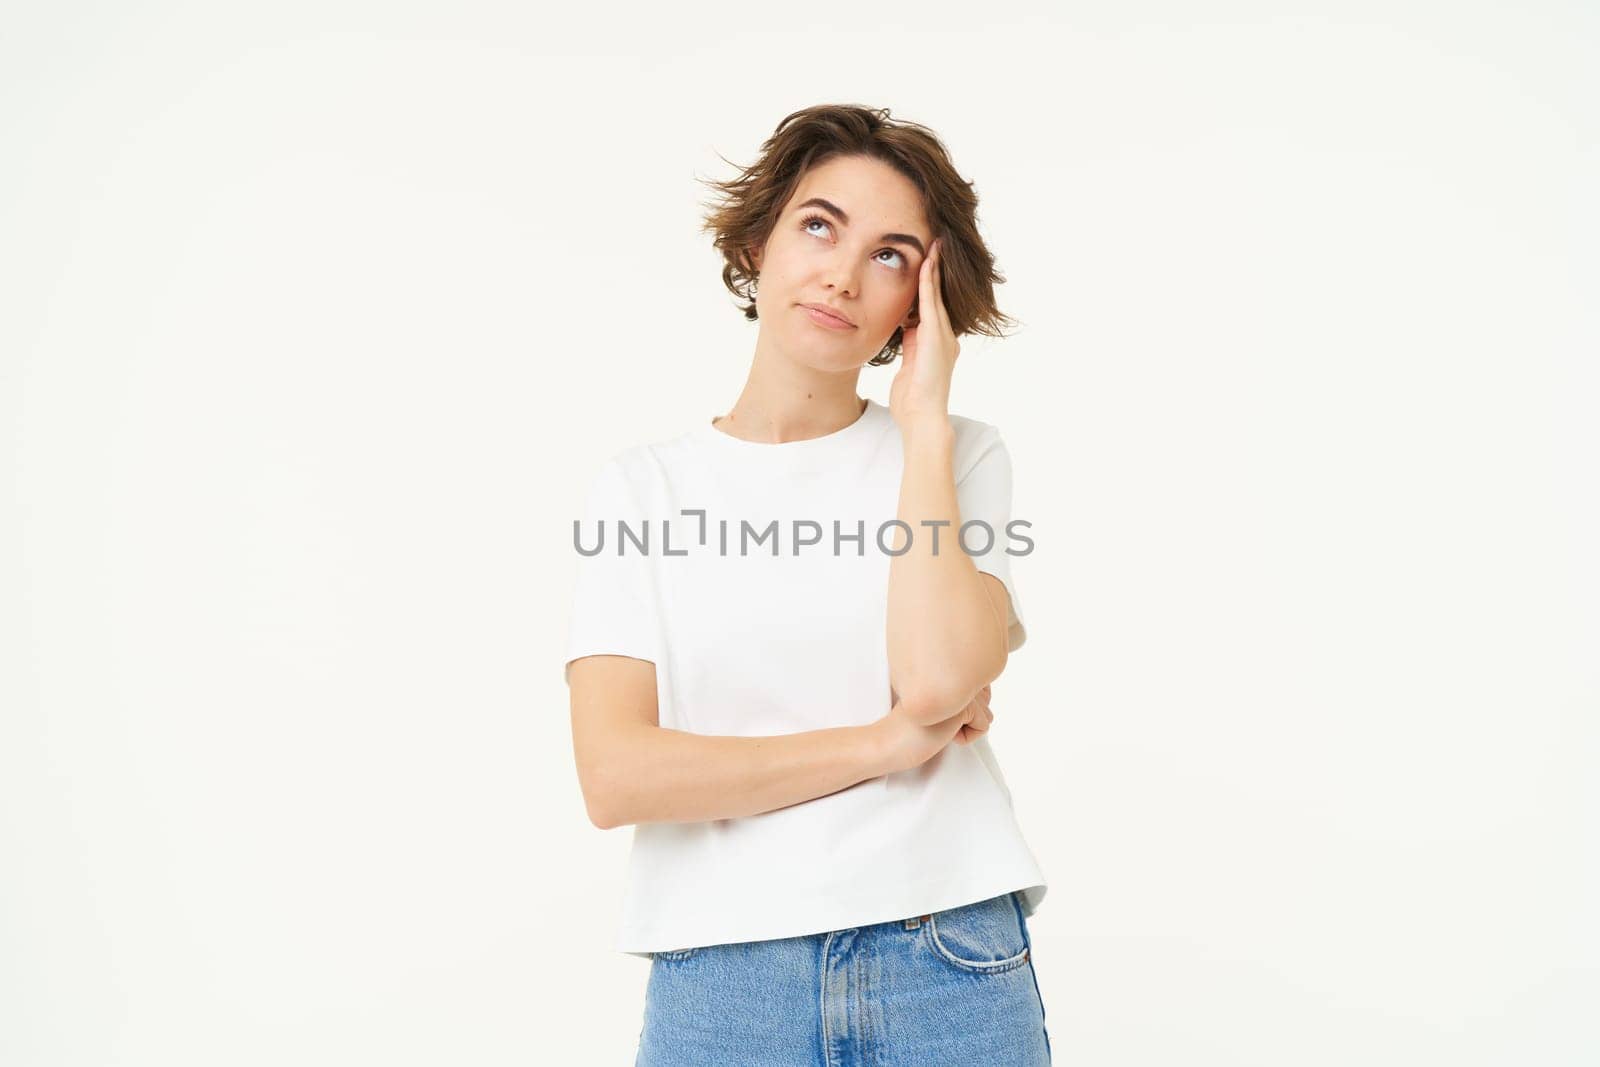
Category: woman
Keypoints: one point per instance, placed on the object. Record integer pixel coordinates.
(787, 693)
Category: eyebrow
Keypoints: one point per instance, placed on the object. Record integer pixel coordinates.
(893, 238)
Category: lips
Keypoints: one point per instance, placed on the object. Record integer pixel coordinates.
(823, 309)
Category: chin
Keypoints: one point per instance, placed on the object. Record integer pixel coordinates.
(839, 359)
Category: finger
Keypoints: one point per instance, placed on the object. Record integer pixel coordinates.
(927, 299)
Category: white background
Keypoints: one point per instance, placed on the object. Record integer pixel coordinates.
(318, 318)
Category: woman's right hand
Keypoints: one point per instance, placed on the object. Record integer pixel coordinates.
(908, 743)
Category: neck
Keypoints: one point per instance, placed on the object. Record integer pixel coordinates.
(782, 401)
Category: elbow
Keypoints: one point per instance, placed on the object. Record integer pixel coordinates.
(608, 813)
(600, 817)
(610, 774)
(602, 802)
(934, 700)
(597, 806)
(936, 692)
(928, 702)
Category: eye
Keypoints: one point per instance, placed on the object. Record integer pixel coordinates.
(805, 225)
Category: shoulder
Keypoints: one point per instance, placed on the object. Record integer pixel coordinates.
(615, 475)
(629, 464)
(975, 440)
(639, 472)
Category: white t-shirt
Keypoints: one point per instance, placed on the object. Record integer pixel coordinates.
(747, 642)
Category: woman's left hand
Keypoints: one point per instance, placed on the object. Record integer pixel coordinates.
(928, 353)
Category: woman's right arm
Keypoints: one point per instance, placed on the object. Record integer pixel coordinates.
(632, 770)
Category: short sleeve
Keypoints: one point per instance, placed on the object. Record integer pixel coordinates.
(613, 602)
(983, 492)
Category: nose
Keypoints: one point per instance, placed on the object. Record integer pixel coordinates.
(841, 274)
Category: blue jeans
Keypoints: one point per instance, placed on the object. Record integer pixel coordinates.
(955, 987)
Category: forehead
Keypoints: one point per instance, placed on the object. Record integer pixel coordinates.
(872, 193)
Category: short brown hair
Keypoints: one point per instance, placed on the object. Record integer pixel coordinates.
(750, 204)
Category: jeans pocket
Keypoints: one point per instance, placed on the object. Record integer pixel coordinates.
(981, 938)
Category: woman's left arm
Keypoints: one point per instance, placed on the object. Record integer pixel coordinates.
(947, 620)
(947, 629)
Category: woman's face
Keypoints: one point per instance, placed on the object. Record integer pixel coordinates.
(852, 238)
